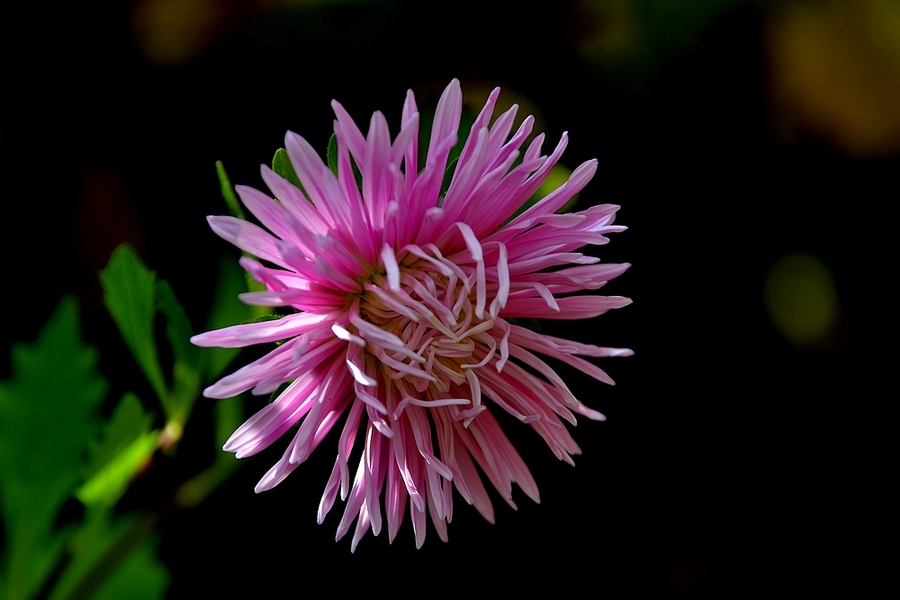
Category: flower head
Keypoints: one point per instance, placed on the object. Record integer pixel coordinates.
(405, 299)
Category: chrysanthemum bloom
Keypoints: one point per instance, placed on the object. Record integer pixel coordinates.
(406, 301)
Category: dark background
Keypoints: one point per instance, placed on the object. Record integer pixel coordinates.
(733, 463)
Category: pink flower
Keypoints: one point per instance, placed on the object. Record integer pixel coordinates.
(406, 300)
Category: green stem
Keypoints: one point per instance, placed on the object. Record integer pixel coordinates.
(115, 554)
(188, 495)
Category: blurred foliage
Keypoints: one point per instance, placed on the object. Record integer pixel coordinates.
(174, 32)
(835, 64)
(55, 444)
(112, 557)
(124, 448)
(801, 299)
(630, 39)
(49, 425)
(835, 71)
(140, 577)
(48, 417)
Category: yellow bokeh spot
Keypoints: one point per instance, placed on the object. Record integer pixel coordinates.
(801, 299)
(175, 32)
(835, 71)
(556, 178)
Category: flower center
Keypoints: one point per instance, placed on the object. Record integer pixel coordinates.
(429, 333)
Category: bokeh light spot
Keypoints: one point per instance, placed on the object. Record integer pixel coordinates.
(801, 299)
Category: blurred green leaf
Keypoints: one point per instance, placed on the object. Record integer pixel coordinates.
(126, 448)
(281, 164)
(556, 178)
(130, 297)
(632, 39)
(357, 174)
(141, 576)
(113, 559)
(332, 154)
(228, 192)
(48, 416)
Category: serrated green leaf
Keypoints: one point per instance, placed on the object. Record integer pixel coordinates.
(281, 164)
(129, 295)
(125, 449)
(228, 192)
(48, 416)
(332, 154)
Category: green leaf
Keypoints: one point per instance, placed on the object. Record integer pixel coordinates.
(332, 154)
(186, 370)
(130, 298)
(48, 417)
(113, 559)
(556, 178)
(133, 296)
(281, 164)
(127, 445)
(357, 174)
(178, 327)
(332, 157)
(228, 192)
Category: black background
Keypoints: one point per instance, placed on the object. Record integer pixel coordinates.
(731, 464)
